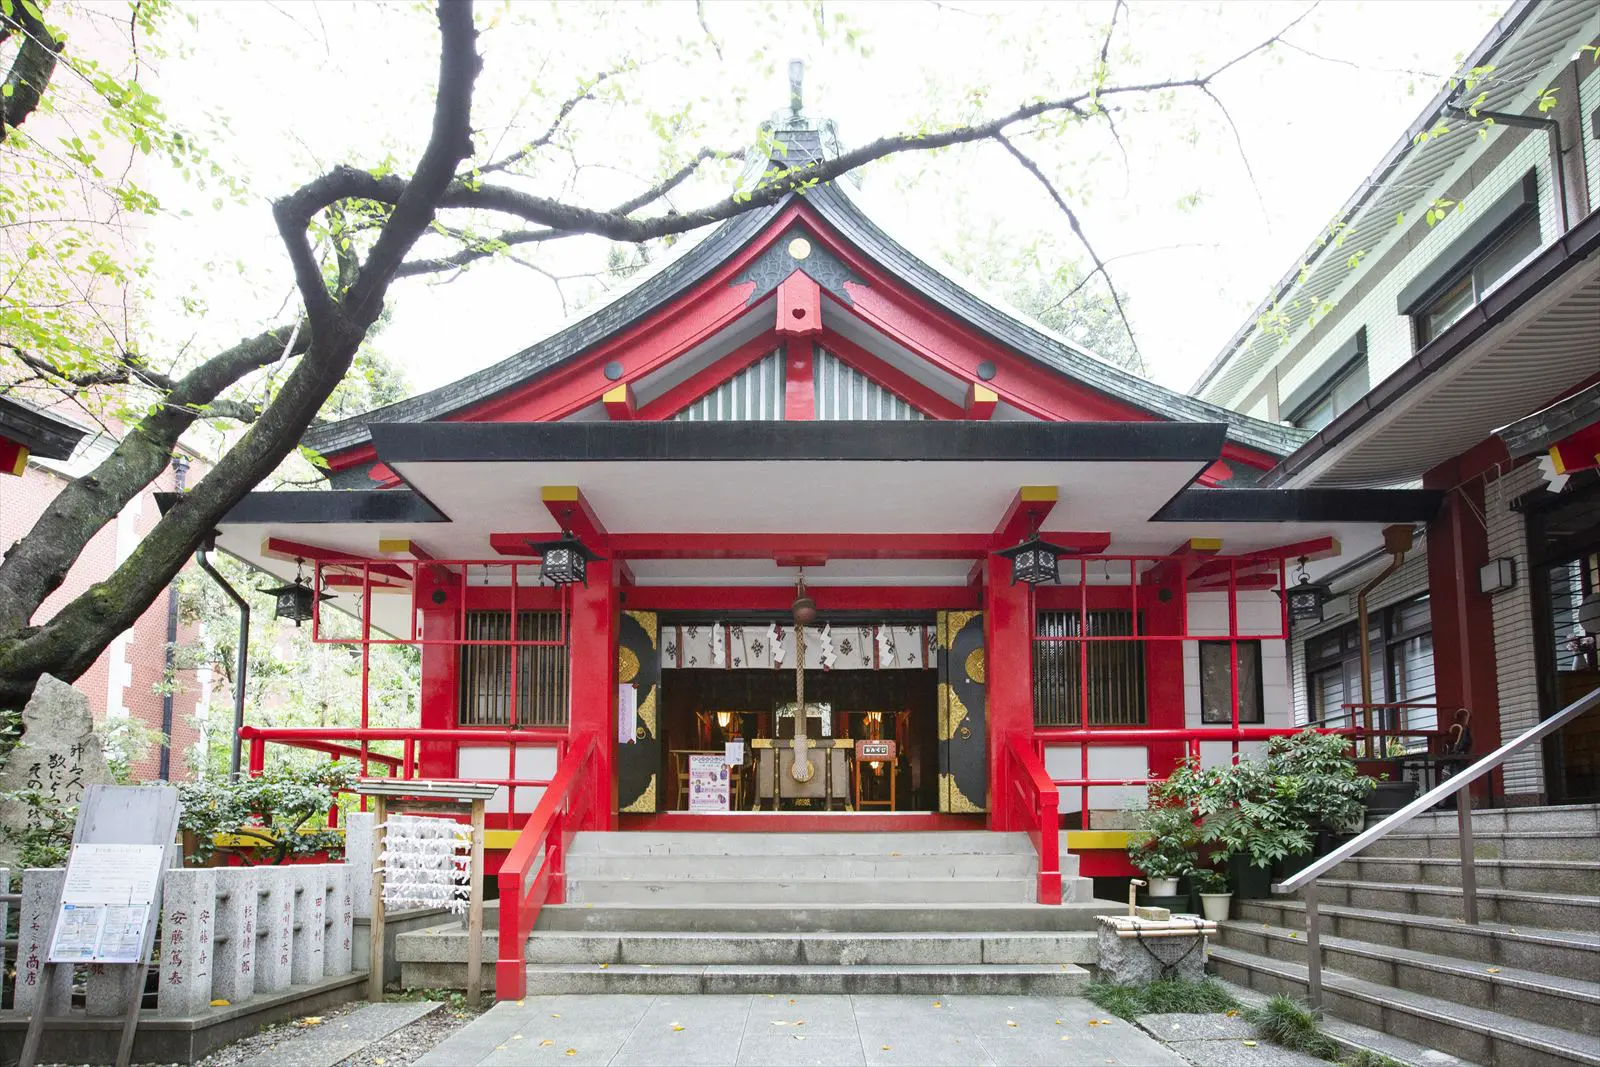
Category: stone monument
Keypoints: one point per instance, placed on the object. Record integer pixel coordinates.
(58, 756)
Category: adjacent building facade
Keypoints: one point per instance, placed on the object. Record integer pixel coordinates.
(1445, 332)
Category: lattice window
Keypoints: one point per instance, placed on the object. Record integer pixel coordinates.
(1116, 684)
(541, 683)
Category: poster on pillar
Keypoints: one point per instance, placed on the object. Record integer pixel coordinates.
(963, 732)
(639, 759)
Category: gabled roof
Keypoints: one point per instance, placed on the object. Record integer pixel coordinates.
(830, 206)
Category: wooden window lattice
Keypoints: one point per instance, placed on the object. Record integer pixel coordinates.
(541, 698)
(1116, 682)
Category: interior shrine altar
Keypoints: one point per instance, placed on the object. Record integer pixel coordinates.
(803, 764)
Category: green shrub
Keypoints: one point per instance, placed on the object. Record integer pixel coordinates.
(285, 809)
(1287, 1022)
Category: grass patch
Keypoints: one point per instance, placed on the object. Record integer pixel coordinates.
(1362, 1057)
(1287, 1022)
(1161, 998)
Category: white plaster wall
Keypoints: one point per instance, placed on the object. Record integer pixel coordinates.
(1260, 612)
(1516, 664)
(492, 761)
(1105, 761)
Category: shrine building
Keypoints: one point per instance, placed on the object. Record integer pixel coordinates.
(774, 495)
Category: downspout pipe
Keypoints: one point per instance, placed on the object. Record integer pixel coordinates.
(1397, 541)
(180, 471)
(241, 665)
(1531, 122)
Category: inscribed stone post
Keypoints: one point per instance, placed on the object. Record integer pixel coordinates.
(58, 756)
(233, 976)
(41, 900)
(275, 915)
(306, 956)
(338, 943)
(109, 990)
(188, 911)
(359, 840)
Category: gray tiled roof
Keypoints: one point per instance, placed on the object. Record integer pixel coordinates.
(839, 211)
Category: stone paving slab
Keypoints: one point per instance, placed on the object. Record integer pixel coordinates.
(1198, 1027)
(1238, 1054)
(337, 1040)
(764, 1030)
(1214, 1039)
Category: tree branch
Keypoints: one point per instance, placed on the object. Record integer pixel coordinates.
(567, 107)
(1077, 228)
(31, 69)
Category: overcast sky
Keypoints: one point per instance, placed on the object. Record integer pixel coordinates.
(1194, 239)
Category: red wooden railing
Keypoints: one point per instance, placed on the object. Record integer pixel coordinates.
(1036, 805)
(534, 874)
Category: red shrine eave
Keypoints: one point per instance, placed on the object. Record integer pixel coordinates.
(743, 294)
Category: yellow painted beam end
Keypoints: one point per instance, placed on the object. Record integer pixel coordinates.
(1035, 494)
(559, 494)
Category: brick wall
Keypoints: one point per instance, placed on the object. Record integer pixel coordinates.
(123, 680)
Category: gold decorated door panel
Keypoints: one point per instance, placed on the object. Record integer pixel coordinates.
(963, 729)
(639, 761)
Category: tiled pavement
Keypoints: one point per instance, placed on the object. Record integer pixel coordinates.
(809, 1029)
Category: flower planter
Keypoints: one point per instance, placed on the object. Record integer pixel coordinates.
(1214, 906)
(1388, 798)
(1249, 882)
(1163, 887)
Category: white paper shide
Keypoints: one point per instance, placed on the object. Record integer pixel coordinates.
(426, 863)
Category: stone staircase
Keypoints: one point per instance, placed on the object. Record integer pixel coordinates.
(935, 913)
(1518, 988)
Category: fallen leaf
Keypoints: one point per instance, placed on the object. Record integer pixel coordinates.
(1293, 936)
(516, 1037)
(799, 1037)
(520, 1003)
(546, 1043)
(1231, 1013)
(1066, 1037)
(886, 1048)
(1494, 970)
(379, 1060)
(605, 966)
(791, 1000)
(572, 1052)
(938, 1003)
(677, 1027)
(555, 1015)
(220, 1003)
(1011, 1024)
(1094, 1022)
(309, 1020)
(780, 1022)
(1058, 1022)
(1249, 1044)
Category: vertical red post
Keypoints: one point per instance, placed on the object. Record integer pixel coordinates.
(799, 388)
(441, 597)
(1462, 618)
(1008, 643)
(592, 648)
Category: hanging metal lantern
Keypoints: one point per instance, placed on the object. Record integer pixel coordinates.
(1307, 597)
(297, 600)
(565, 561)
(1034, 561)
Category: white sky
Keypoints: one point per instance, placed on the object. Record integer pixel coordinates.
(305, 85)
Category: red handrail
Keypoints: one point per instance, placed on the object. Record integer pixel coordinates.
(1037, 806)
(534, 872)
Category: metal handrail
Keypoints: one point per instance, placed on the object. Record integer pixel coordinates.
(1306, 878)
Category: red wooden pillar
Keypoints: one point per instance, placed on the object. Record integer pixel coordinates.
(593, 649)
(1008, 649)
(1462, 618)
(1163, 666)
(441, 665)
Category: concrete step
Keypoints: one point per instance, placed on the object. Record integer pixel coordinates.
(748, 918)
(1569, 877)
(929, 892)
(1569, 954)
(1581, 818)
(1470, 1033)
(1354, 1038)
(749, 845)
(1525, 994)
(690, 867)
(1526, 845)
(1021, 979)
(1549, 911)
(815, 949)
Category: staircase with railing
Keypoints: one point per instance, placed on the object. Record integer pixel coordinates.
(1479, 939)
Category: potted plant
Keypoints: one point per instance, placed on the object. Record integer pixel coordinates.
(1215, 898)
(283, 812)
(1326, 790)
(1162, 843)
